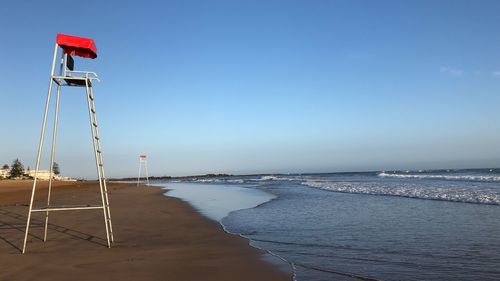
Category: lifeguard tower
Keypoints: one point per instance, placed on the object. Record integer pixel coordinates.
(143, 162)
(68, 77)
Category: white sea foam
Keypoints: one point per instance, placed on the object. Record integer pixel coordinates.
(485, 178)
(207, 180)
(276, 178)
(268, 178)
(239, 181)
(444, 193)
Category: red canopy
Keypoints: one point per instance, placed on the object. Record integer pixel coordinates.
(77, 46)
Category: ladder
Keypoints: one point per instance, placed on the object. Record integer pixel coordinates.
(99, 162)
(69, 77)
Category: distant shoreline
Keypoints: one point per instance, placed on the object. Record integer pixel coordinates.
(222, 175)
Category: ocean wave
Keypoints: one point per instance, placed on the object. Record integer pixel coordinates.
(239, 180)
(206, 180)
(267, 178)
(443, 193)
(483, 178)
(275, 178)
(218, 180)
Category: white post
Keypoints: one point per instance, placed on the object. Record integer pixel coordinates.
(139, 175)
(147, 176)
(52, 159)
(40, 145)
(53, 150)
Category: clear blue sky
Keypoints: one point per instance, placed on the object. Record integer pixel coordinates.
(260, 86)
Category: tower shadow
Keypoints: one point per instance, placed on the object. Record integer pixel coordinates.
(14, 222)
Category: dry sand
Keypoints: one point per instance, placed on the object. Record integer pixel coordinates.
(156, 238)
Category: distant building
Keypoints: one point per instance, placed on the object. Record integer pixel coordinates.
(42, 175)
(45, 175)
(4, 173)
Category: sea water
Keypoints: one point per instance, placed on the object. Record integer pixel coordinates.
(216, 201)
(388, 225)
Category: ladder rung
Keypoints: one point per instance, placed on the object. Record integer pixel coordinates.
(67, 208)
(91, 97)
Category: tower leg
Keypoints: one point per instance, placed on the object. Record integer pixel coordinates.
(139, 175)
(37, 166)
(147, 175)
(52, 158)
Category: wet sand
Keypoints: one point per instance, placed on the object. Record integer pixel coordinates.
(156, 238)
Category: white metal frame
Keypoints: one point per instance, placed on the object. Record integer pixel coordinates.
(65, 78)
(143, 162)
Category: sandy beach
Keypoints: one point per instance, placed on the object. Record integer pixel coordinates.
(156, 238)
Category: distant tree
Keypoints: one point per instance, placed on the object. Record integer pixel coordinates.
(55, 169)
(16, 169)
(5, 167)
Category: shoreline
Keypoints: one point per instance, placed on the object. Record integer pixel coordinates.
(218, 200)
(165, 238)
